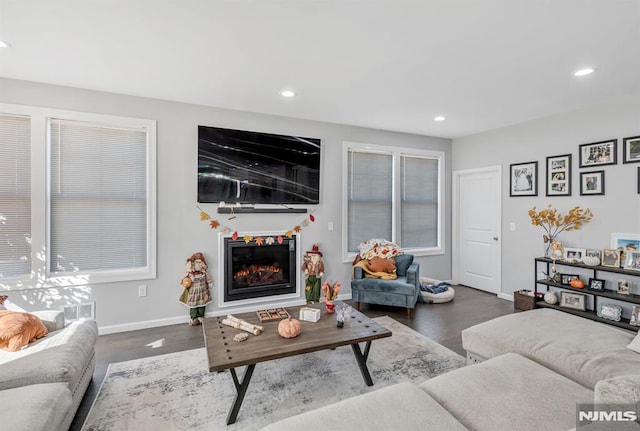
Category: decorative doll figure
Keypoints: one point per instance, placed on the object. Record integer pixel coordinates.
(196, 283)
(314, 271)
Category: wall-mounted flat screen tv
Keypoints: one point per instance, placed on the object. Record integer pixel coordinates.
(238, 166)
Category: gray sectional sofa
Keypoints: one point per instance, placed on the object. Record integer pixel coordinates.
(527, 371)
(42, 385)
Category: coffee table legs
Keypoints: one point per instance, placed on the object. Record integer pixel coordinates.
(241, 390)
(361, 358)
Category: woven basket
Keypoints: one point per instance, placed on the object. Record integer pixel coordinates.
(523, 302)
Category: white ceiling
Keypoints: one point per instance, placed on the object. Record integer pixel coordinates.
(386, 64)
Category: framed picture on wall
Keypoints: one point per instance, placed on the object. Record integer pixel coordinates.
(598, 153)
(631, 149)
(559, 175)
(592, 183)
(524, 179)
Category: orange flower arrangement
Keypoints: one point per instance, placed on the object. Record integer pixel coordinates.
(331, 290)
(554, 223)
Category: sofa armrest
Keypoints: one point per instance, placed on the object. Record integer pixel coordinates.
(52, 319)
(413, 275)
(618, 390)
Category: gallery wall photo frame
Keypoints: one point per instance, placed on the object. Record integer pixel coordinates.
(598, 153)
(631, 149)
(559, 175)
(524, 179)
(592, 183)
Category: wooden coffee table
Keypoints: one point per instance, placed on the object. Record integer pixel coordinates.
(225, 354)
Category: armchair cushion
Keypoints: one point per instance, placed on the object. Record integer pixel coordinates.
(402, 264)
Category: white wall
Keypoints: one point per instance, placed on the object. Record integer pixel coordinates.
(180, 231)
(617, 211)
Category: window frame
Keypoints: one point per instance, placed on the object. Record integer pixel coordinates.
(396, 153)
(40, 200)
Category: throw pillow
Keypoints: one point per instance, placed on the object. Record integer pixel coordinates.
(635, 344)
(2, 299)
(379, 264)
(19, 329)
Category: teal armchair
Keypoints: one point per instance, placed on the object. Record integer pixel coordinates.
(401, 292)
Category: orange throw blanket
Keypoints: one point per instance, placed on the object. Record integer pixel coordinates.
(19, 329)
(370, 274)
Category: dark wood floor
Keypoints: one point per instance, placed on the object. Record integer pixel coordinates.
(439, 322)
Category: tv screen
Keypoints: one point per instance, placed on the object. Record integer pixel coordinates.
(237, 166)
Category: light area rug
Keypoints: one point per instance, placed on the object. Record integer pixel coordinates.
(176, 392)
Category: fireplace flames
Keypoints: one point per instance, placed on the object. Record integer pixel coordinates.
(258, 274)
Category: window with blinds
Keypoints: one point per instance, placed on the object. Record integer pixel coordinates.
(369, 199)
(393, 194)
(15, 196)
(97, 198)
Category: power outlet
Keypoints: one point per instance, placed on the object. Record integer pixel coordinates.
(330, 225)
(142, 290)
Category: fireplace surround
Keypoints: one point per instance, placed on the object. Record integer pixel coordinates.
(258, 271)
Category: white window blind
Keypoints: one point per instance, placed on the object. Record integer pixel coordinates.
(98, 198)
(370, 194)
(419, 205)
(15, 196)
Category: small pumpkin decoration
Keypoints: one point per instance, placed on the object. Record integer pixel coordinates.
(289, 328)
(591, 260)
(576, 283)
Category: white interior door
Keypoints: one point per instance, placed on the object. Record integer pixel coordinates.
(476, 242)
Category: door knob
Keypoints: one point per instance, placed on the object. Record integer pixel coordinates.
(495, 238)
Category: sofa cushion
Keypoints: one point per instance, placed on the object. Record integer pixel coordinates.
(40, 407)
(509, 392)
(59, 357)
(18, 329)
(399, 407)
(635, 344)
(580, 349)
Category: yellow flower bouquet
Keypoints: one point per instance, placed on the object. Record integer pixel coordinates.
(554, 223)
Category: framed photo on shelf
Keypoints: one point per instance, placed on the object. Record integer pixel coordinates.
(610, 311)
(623, 286)
(596, 284)
(598, 153)
(559, 175)
(631, 149)
(625, 242)
(575, 301)
(632, 260)
(635, 319)
(611, 258)
(594, 253)
(574, 254)
(524, 179)
(566, 278)
(592, 183)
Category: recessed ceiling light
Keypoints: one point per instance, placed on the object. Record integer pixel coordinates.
(4, 44)
(439, 118)
(287, 93)
(584, 72)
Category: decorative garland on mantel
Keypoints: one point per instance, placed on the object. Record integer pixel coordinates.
(269, 240)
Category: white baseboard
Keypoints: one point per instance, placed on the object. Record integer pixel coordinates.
(507, 296)
(146, 324)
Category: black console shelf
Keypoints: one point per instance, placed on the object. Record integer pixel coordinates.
(251, 210)
(588, 314)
